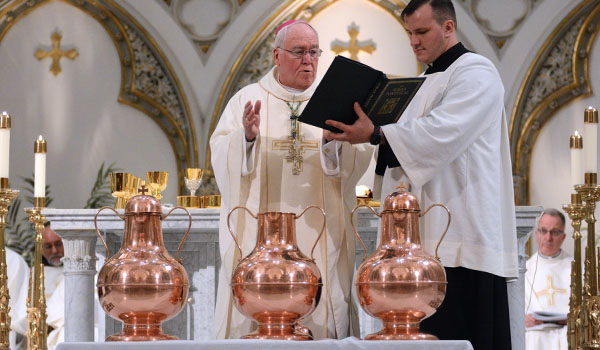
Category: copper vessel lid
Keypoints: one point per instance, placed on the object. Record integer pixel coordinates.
(401, 200)
(143, 204)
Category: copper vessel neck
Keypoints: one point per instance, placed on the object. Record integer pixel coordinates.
(400, 229)
(276, 229)
(143, 231)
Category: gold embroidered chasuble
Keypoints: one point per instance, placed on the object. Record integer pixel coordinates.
(286, 174)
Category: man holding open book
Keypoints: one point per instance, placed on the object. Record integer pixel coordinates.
(451, 145)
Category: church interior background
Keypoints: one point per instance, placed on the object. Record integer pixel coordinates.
(141, 83)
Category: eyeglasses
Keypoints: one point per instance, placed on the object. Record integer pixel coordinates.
(553, 233)
(299, 53)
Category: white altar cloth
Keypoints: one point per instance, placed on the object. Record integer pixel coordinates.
(239, 344)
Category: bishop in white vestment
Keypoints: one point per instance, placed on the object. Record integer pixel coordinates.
(286, 168)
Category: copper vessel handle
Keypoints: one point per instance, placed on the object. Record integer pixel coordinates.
(354, 228)
(229, 226)
(447, 226)
(186, 233)
(322, 228)
(98, 231)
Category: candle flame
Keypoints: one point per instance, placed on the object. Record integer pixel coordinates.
(40, 138)
(576, 133)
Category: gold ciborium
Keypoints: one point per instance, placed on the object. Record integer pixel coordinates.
(211, 201)
(121, 184)
(276, 285)
(157, 181)
(400, 283)
(142, 285)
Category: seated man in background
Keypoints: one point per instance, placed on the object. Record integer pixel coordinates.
(52, 253)
(547, 284)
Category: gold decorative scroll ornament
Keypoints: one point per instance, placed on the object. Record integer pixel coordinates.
(56, 53)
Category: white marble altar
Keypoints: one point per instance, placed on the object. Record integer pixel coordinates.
(201, 260)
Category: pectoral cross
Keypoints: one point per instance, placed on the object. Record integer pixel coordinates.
(550, 291)
(353, 46)
(295, 147)
(56, 53)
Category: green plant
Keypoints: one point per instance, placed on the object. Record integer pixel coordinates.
(101, 194)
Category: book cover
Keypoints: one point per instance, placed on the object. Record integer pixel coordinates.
(347, 81)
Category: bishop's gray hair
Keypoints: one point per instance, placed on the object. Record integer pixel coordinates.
(280, 37)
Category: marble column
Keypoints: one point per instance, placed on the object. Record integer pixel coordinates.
(79, 269)
(526, 222)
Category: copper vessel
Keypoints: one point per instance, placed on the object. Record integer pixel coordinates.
(142, 285)
(276, 285)
(400, 283)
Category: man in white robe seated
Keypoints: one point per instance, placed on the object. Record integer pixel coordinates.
(451, 146)
(547, 285)
(265, 160)
(18, 284)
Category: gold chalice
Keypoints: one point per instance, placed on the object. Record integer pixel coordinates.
(135, 187)
(193, 179)
(120, 185)
(157, 181)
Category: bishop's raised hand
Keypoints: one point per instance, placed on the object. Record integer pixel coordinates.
(251, 120)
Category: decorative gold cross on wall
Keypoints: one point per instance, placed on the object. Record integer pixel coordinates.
(295, 150)
(55, 53)
(353, 46)
(550, 291)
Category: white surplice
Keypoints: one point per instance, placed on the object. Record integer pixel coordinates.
(18, 284)
(259, 177)
(547, 288)
(452, 144)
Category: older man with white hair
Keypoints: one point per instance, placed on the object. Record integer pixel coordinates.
(265, 160)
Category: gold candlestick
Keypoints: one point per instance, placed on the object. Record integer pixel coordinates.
(37, 329)
(6, 197)
(590, 194)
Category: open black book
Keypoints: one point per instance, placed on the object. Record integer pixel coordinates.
(347, 81)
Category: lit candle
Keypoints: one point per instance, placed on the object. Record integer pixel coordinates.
(39, 188)
(590, 119)
(4, 144)
(576, 144)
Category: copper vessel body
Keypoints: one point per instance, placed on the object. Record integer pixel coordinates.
(400, 283)
(276, 284)
(142, 285)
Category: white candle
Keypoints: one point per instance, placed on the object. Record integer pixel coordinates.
(576, 144)
(39, 188)
(4, 144)
(591, 139)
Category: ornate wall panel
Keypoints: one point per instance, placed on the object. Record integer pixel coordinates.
(255, 59)
(499, 37)
(558, 74)
(203, 34)
(148, 81)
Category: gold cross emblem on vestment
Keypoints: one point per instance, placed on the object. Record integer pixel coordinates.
(550, 291)
(56, 53)
(295, 149)
(353, 46)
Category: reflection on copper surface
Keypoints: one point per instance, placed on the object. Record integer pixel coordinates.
(400, 283)
(276, 284)
(142, 285)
